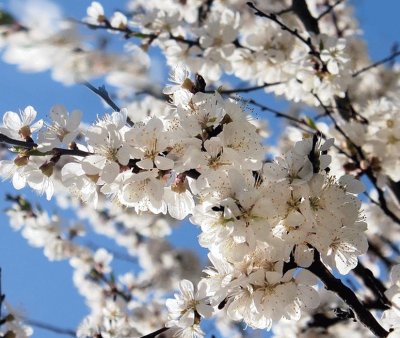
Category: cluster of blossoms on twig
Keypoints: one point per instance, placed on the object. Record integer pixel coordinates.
(116, 301)
(255, 217)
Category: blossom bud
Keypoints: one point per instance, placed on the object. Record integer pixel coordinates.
(188, 84)
(25, 132)
(47, 168)
(21, 160)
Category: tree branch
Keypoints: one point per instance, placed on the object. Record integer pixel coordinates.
(245, 90)
(374, 284)
(378, 63)
(329, 9)
(156, 333)
(284, 27)
(348, 296)
(31, 146)
(300, 8)
(51, 328)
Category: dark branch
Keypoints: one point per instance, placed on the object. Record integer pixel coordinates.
(102, 92)
(51, 328)
(300, 8)
(284, 27)
(31, 146)
(370, 174)
(375, 249)
(278, 113)
(374, 284)
(381, 196)
(347, 295)
(329, 9)
(389, 58)
(17, 143)
(245, 90)
(155, 333)
(325, 321)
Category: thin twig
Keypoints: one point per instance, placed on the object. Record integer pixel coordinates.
(103, 93)
(376, 251)
(245, 90)
(284, 27)
(300, 124)
(155, 333)
(31, 146)
(278, 113)
(51, 328)
(329, 9)
(381, 195)
(378, 63)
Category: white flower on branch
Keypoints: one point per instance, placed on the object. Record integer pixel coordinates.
(63, 130)
(189, 306)
(21, 126)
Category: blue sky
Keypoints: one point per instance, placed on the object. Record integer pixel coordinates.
(43, 290)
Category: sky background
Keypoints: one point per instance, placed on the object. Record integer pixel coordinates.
(44, 291)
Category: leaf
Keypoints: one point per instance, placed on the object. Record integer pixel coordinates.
(310, 122)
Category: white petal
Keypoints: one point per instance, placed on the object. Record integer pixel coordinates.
(123, 155)
(145, 164)
(58, 114)
(309, 296)
(304, 255)
(28, 115)
(74, 120)
(351, 184)
(93, 164)
(163, 163)
(333, 67)
(12, 121)
(110, 172)
(18, 181)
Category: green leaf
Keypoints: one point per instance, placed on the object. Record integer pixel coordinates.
(139, 35)
(310, 122)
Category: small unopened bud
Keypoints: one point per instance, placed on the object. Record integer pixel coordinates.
(47, 168)
(25, 132)
(20, 161)
(72, 146)
(101, 18)
(188, 84)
